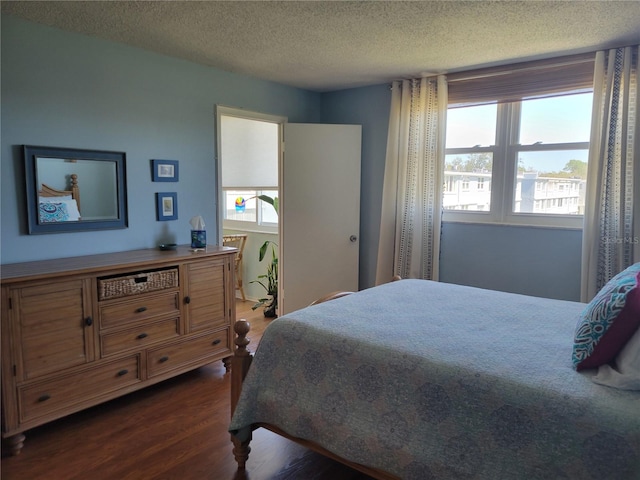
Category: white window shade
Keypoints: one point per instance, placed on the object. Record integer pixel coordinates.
(249, 153)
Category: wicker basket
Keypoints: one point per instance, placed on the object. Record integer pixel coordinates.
(137, 283)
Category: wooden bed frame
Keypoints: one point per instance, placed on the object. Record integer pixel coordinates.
(240, 363)
(47, 191)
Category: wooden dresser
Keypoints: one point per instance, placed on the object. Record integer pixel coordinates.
(79, 331)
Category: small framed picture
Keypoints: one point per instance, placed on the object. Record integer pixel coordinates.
(167, 206)
(164, 170)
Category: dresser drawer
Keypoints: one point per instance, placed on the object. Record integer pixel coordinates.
(139, 336)
(138, 309)
(65, 391)
(136, 283)
(181, 354)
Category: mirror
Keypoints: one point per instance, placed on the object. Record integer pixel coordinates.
(73, 190)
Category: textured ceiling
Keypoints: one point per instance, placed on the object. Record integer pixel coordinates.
(329, 45)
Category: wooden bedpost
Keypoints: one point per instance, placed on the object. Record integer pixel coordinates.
(240, 363)
(75, 190)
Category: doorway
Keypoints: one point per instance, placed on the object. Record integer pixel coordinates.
(249, 153)
(315, 231)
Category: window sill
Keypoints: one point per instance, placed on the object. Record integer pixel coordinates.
(558, 224)
(252, 228)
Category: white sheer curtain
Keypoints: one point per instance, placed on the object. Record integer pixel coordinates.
(409, 243)
(611, 234)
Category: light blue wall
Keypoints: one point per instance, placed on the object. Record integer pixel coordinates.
(369, 107)
(68, 90)
(542, 262)
(532, 261)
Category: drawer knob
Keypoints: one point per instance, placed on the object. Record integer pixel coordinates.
(141, 336)
(164, 359)
(44, 398)
(141, 309)
(216, 341)
(187, 300)
(88, 321)
(122, 372)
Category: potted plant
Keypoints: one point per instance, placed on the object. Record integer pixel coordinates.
(269, 281)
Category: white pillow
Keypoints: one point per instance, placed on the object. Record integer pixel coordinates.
(626, 374)
(55, 199)
(72, 207)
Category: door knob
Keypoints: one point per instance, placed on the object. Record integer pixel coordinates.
(353, 238)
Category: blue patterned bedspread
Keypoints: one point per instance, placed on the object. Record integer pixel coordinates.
(431, 380)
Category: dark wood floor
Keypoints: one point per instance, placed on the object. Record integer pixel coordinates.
(174, 430)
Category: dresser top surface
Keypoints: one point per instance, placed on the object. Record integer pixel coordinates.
(94, 263)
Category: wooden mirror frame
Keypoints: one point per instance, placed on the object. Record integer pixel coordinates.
(33, 153)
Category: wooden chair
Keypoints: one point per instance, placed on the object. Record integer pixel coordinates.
(237, 240)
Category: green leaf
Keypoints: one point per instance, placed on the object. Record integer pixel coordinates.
(271, 201)
(263, 250)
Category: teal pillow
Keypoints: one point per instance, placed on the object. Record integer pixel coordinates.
(608, 321)
(53, 212)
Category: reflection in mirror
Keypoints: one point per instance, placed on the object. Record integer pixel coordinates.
(97, 177)
(71, 190)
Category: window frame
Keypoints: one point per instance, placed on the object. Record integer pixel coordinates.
(259, 226)
(504, 179)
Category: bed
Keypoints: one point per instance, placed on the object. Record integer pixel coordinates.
(417, 379)
(56, 205)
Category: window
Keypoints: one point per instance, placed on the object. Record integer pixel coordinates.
(529, 154)
(469, 126)
(242, 205)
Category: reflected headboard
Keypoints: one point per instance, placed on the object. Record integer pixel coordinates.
(47, 191)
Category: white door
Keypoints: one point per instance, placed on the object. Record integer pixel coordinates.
(319, 212)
